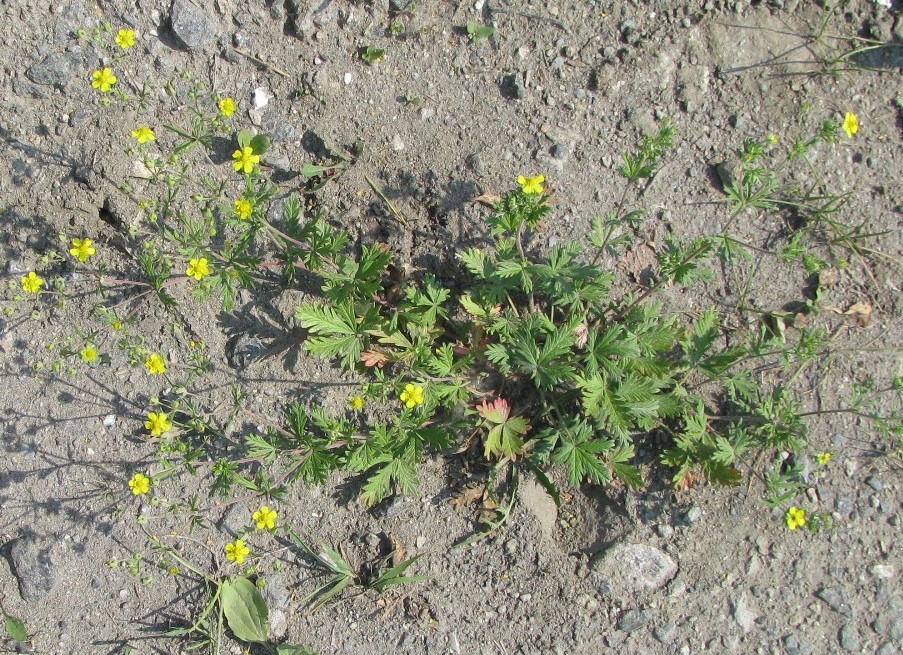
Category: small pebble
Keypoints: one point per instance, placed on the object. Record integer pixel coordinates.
(874, 483)
(882, 571)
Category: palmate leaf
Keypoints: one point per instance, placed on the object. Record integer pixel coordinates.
(426, 305)
(580, 452)
(704, 334)
(605, 349)
(617, 460)
(547, 365)
(620, 405)
(358, 278)
(338, 332)
(504, 437)
(397, 473)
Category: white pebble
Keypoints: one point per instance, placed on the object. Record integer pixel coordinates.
(109, 420)
(347, 78)
(261, 98)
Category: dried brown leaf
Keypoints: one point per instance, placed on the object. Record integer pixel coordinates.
(371, 358)
(861, 313)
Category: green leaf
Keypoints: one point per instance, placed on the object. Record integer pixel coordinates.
(704, 334)
(620, 405)
(476, 262)
(580, 452)
(371, 54)
(477, 31)
(260, 144)
(504, 437)
(244, 139)
(394, 576)
(629, 475)
(286, 649)
(312, 170)
(244, 609)
(15, 628)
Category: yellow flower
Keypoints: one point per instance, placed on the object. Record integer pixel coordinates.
(243, 208)
(197, 268)
(139, 484)
(236, 551)
(825, 457)
(227, 107)
(103, 80)
(32, 282)
(155, 364)
(265, 518)
(356, 403)
(245, 160)
(850, 124)
(116, 325)
(411, 396)
(157, 423)
(795, 518)
(531, 185)
(88, 353)
(125, 39)
(144, 134)
(81, 249)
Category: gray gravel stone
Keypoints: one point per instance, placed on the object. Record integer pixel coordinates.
(874, 483)
(278, 624)
(694, 513)
(235, 520)
(636, 567)
(666, 633)
(244, 350)
(275, 593)
(882, 571)
(633, 620)
(33, 568)
(80, 117)
(56, 69)
(849, 638)
(744, 615)
(191, 24)
(887, 649)
(889, 622)
(796, 646)
(836, 598)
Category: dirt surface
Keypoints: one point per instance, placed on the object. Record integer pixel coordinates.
(561, 88)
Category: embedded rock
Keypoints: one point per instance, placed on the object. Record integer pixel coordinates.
(190, 24)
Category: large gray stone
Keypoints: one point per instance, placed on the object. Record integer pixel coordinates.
(191, 25)
(633, 620)
(56, 69)
(636, 567)
(33, 568)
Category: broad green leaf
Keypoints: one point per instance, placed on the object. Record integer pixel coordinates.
(244, 139)
(15, 628)
(286, 649)
(312, 170)
(260, 144)
(244, 609)
(477, 31)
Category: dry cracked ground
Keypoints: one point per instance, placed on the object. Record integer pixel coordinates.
(561, 87)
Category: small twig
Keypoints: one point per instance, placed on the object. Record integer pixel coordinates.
(523, 14)
(382, 196)
(261, 62)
